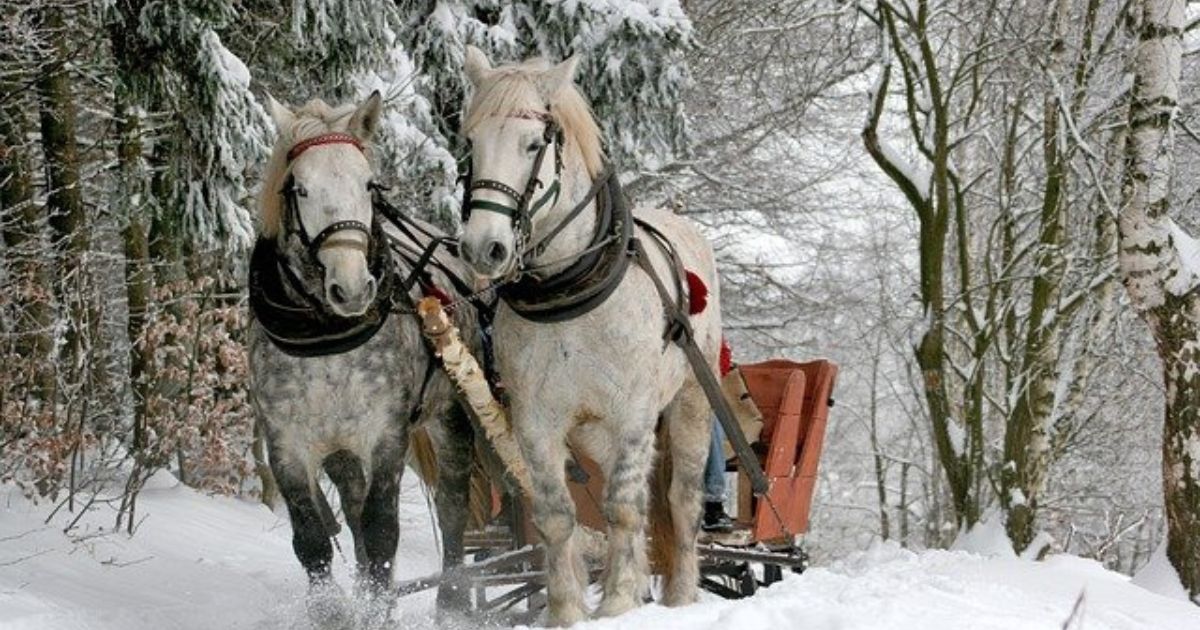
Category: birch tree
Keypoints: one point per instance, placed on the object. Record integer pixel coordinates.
(1160, 268)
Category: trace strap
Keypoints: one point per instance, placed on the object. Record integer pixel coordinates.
(679, 330)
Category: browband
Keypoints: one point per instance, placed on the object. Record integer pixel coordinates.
(325, 138)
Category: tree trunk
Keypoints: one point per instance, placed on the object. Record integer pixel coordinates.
(130, 59)
(932, 208)
(64, 200)
(1026, 438)
(880, 470)
(22, 238)
(1161, 285)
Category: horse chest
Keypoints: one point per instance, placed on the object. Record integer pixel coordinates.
(321, 404)
(598, 361)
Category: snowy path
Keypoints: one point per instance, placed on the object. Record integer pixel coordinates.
(203, 562)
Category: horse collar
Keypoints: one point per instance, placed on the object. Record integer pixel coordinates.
(594, 275)
(297, 322)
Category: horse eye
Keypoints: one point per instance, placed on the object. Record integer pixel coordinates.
(534, 147)
(300, 191)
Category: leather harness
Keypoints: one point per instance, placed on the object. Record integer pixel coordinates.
(599, 269)
(300, 323)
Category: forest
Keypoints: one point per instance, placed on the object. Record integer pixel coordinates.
(981, 210)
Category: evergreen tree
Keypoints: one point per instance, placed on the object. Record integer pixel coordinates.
(631, 63)
(219, 130)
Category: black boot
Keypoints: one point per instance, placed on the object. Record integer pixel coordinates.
(715, 519)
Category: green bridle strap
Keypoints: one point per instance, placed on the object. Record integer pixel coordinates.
(552, 190)
(491, 206)
(548, 197)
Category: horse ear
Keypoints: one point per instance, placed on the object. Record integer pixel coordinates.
(477, 65)
(556, 78)
(280, 113)
(365, 120)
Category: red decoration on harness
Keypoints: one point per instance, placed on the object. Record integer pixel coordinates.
(726, 357)
(697, 294)
(434, 291)
(326, 138)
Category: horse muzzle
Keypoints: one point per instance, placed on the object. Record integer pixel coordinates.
(488, 257)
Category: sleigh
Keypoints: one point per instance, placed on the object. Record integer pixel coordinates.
(794, 400)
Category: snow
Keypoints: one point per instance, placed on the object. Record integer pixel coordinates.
(987, 538)
(1187, 249)
(1158, 576)
(229, 66)
(958, 437)
(215, 562)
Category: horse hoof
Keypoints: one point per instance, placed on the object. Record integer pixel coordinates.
(328, 608)
(682, 597)
(613, 606)
(565, 616)
(454, 597)
(374, 603)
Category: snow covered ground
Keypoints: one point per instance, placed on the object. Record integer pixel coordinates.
(200, 562)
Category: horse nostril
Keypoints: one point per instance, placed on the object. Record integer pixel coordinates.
(336, 294)
(497, 252)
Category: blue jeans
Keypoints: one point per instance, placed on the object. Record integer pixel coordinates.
(714, 470)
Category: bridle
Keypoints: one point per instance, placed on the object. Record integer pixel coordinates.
(293, 224)
(524, 207)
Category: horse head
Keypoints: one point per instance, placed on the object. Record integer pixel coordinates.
(531, 134)
(317, 199)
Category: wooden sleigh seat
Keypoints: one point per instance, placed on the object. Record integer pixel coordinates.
(794, 399)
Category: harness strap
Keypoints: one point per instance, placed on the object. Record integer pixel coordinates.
(679, 330)
(430, 367)
(407, 226)
(492, 206)
(540, 247)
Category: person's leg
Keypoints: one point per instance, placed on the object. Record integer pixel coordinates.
(715, 519)
(714, 470)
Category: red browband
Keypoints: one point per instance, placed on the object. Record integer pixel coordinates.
(328, 138)
(529, 114)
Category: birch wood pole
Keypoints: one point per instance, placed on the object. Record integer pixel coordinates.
(469, 378)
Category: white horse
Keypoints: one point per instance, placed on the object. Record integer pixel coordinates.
(593, 372)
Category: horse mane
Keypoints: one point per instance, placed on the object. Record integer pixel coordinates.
(512, 89)
(314, 118)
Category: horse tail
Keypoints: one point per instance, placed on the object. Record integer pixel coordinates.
(423, 456)
(664, 544)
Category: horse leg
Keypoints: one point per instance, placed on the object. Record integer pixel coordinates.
(625, 500)
(453, 502)
(545, 454)
(310, 537)
(381, 530)
(310, 540)
(346, 472)
(689, 424)
(380, 512)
